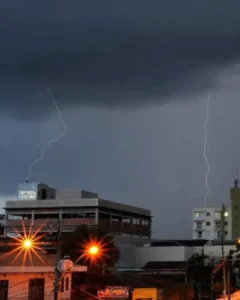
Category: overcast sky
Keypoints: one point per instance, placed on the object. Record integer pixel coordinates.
(131, 79)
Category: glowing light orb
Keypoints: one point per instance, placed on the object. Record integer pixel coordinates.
(27, 243)
(93, 250)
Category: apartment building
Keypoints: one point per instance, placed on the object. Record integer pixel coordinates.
(208, 223)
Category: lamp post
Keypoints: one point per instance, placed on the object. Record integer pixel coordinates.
(91, 251)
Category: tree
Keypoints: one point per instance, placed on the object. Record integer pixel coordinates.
(76, 245)
(199, 272)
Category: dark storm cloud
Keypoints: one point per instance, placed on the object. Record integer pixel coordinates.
(124, 53)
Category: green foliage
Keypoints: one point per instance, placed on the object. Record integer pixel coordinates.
(198, 269)
(74, 244)
(198, 259)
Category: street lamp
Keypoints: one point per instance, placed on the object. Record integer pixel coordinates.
(93, 250)
(27, 243)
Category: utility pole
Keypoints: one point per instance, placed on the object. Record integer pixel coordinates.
(222, 243)
(229, 281)
(58, 257)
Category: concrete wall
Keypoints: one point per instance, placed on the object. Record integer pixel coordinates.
(176, 253)
(127, 246)
(75, 194)
(146, 254)
(19, 285)
(216, 251)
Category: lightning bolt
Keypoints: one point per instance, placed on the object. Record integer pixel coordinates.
(51, 141)
(205, 151)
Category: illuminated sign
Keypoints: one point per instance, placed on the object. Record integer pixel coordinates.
(114, 292)
(25, 195)
(119, 292)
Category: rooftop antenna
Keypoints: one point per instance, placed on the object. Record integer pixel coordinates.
(236, 181)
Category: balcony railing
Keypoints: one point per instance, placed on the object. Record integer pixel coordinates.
(108, 225)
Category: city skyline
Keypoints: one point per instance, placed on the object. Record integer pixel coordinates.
(131, 82)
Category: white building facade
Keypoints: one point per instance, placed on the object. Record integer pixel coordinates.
(178, 253)
(206, 223)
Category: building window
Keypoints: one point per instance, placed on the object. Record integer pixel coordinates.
(208, 223)
(225, 232)
(4, 289)
(200, 215)
(226, 223)
(14, 217)
(208, 214)
(116, 218)
(78, 215)
(126, 220)
(36, 288)
(62, 285)
(136, 221)
(218, 225)
(46, 216)
(67, 283)
(218, 235)
(217, 214)
(145, 223)
(199, 225)
(104, 216)
(199, 235)
(226, 214)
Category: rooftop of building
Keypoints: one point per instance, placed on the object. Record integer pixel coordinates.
(190, 243)
(70, 199)
(172, 243)
(70, 203)
(217, 208)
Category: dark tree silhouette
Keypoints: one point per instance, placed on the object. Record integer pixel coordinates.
(75, 245)
(199, 272)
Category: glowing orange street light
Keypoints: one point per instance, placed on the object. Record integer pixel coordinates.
(27, 244)
(93, 250)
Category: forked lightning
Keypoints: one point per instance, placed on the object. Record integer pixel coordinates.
(51, 141)
(205, 151)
